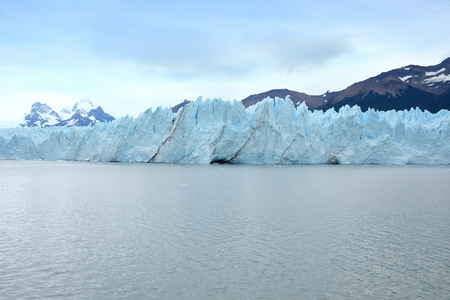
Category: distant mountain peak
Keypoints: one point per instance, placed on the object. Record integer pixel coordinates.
(178, 106)
(39, 105)
(296, 97)
(40, 115)
(82, 107)
(99, 115)
(81, 114)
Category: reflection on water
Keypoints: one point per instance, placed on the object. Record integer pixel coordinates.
(88, 230)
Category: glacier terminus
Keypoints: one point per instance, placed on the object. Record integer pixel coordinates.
(272, 131)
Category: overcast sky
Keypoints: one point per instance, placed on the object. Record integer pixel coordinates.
(128, 56)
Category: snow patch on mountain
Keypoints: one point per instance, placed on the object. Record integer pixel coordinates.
(440, 78)
(405, 78)
(434, 73)
(272, 131)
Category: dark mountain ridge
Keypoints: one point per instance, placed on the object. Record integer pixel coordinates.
(402, 88)
(427, 88)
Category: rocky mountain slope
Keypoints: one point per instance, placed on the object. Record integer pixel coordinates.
(411, 86)
(408, 87)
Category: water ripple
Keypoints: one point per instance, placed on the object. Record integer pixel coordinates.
(84, 231)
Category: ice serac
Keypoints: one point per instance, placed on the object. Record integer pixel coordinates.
(273, 131)
(204, 132)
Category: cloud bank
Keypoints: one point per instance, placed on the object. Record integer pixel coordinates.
(147, 53)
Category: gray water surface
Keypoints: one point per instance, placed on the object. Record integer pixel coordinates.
(141, 231)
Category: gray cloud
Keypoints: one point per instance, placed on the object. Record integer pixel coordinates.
(87, 42)
(226, 51)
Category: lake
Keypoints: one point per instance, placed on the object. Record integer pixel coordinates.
(75, 230)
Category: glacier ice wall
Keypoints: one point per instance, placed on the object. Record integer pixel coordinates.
(270, 132)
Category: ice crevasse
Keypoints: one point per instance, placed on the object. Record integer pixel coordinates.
(273, 131)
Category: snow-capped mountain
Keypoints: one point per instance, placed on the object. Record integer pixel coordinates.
(41, 115)
(82, 107)
(272, 131)
(411, 86)
(81, 114)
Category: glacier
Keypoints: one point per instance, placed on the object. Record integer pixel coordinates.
(272, 131)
